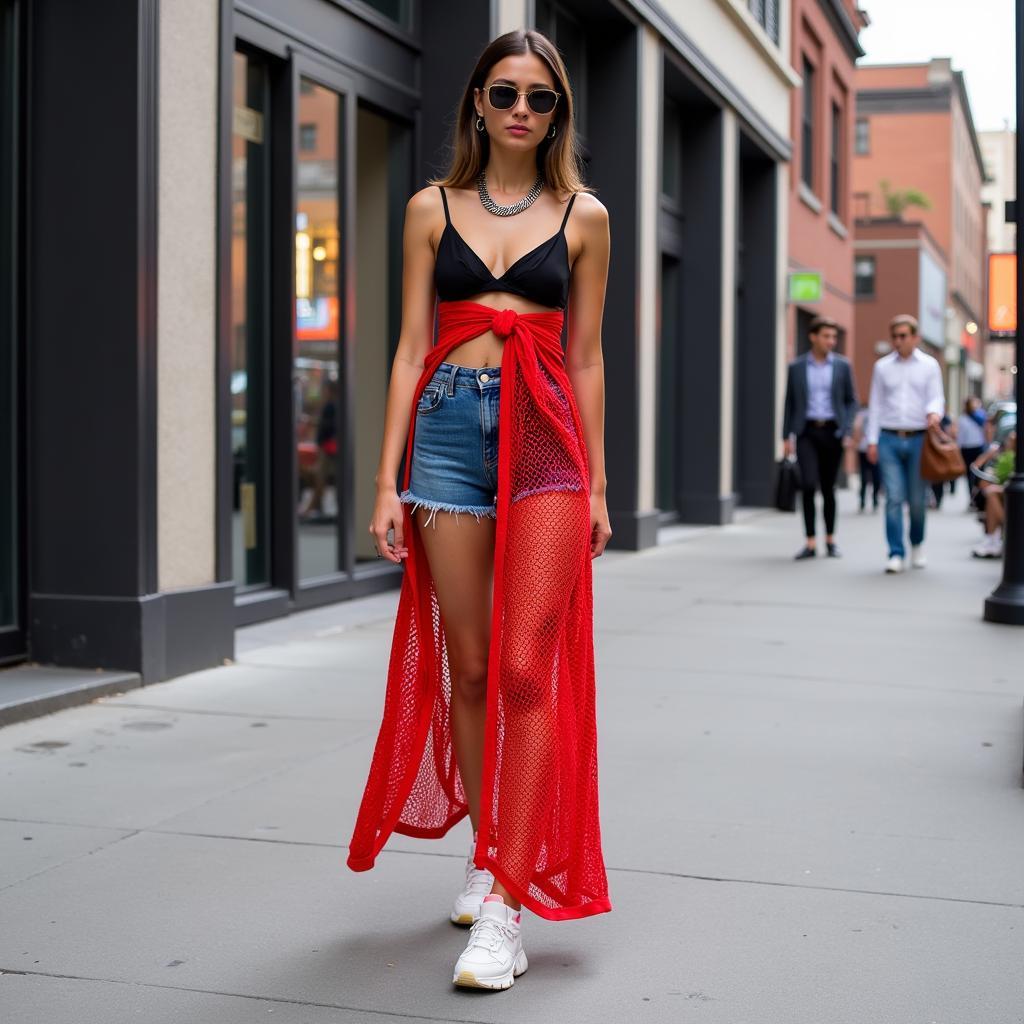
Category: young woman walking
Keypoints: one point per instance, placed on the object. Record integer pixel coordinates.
(489, 710)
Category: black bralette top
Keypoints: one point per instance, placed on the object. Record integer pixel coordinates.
(541, 275)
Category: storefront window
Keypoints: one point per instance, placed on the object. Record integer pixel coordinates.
(316, 365)
(397, 10)
(250, 348)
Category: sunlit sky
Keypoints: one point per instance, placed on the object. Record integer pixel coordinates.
(977, 34)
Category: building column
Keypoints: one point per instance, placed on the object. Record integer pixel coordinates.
(706, 406)
(730, 199)
(94, 390)
(507, 16)
(650, 98)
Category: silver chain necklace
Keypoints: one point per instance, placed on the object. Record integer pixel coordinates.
(513, 208)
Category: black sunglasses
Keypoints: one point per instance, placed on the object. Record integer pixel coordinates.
(505, 97)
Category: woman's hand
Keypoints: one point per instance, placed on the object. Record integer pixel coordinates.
(600, 529)
(387, 515)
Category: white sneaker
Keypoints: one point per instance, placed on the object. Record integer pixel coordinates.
(493, 957)
(894, 565)
(917, 558)
(478, 885)
(990, 547)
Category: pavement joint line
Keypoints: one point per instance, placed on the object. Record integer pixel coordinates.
(70, 860)
(281, 1000)
(109, 702)
(873, 610)
(612, 869)
(310, 668)
(797, 677)
(822, 888)
(281, 769)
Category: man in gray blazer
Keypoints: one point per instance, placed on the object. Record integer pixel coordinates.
(821, 404)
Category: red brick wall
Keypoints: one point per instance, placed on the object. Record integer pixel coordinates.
(816, 241)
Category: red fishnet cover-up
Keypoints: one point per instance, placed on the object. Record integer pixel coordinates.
(539, 833)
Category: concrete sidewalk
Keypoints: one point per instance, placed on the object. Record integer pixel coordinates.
(811, 801)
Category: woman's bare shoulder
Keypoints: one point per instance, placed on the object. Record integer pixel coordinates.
(425, 203)
(589, 210)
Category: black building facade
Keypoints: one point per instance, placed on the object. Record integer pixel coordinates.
(200, 294)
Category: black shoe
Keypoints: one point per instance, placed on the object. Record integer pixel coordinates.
(806, 553)
(833, 551)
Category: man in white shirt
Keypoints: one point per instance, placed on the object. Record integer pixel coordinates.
(906, 399)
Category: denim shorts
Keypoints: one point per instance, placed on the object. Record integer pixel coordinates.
(455, 444)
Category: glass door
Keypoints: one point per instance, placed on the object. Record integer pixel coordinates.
(317, 352)
(12, 636)
(250, 327)
(667, 430)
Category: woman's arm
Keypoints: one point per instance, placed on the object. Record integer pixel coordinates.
(414, 341)
(584, 361)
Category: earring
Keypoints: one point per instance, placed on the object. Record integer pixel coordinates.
(553, 132)
(480, 124)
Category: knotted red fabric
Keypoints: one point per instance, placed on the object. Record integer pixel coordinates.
(539, 832)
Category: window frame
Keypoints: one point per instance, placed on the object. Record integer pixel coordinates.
(862, 134)
(808, 110)
(836, 170)
(858, 293)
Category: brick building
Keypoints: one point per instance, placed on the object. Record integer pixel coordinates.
(825, 49)
(998, 149)
(914, 130)
(899, 267)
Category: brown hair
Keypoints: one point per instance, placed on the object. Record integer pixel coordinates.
(903, 318)
(558, 158)
(822, 321)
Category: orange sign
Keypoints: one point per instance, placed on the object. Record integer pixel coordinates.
(1002, 293)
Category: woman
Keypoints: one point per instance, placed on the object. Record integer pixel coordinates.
(489, 709)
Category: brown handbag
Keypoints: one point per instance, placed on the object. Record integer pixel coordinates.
(941, 460)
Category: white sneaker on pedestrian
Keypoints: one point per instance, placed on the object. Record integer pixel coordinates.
(894, 565)
(990, 547)
(478, 885)
(493, 957)
(917, 558)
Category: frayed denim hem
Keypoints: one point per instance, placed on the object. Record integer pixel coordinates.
(477, 511)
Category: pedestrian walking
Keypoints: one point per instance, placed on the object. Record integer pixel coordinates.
(818, 415)
(906, 399)
(490, 711)
(869, 473)
(972, 440)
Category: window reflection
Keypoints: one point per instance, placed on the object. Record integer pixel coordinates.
(316, 362)
(249, 327)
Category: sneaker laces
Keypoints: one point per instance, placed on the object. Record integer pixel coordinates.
(489, 934)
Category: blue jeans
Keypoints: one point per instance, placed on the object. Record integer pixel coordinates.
(900, 461)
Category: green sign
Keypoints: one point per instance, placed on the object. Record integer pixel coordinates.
(805, 286)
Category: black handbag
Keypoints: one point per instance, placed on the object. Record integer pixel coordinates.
(787, 485)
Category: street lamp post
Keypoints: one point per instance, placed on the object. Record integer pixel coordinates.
(1006, 602)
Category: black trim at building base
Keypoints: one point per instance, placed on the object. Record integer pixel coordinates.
(159, 636)
(633, 531)
(710, 509)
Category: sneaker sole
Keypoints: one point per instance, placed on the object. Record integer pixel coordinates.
(466, 919)
(467, 979)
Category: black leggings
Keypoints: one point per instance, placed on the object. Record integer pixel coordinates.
(819, 453)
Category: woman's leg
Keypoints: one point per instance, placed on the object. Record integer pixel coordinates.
(460, 552)
(549, 532)
(993, 508)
